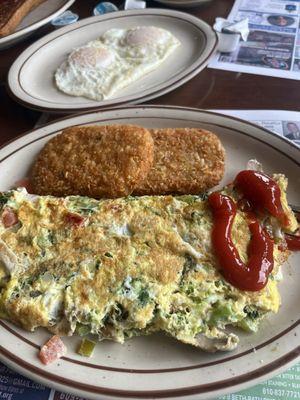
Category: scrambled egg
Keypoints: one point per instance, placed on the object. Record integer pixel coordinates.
(126, 267)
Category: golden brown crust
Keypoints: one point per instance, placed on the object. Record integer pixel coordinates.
(186, 160)
(96, 161)
(12, 12)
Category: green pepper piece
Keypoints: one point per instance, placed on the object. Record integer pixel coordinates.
(86, 347)
(82, 330)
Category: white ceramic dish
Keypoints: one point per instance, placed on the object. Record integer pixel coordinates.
(31, 76)
(157, 366)
(40, 16)
(183, 3)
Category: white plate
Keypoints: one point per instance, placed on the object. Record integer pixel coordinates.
(158, 366)
(183, 3)
(40, 16)
(31, 76)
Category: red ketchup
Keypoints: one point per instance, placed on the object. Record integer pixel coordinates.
(254, 275)
(262, 192)
(293, 242)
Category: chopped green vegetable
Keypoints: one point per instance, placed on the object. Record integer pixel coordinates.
(251, 312)
(248, 325)
(221, 313)
(3, 199)
(219, 283)
(82, 205)
(86, 347)
(251, 322)
(109, 255)
(197, 216)
(82, 329)
(98, 265)
(52, 238)
(186, 199)
(189, 265)
(35, 293)
(128, 199)
(153, 210)
(203, 196)
(144, 297)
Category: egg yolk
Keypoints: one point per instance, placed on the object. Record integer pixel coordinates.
(92, 57)
(145, 35)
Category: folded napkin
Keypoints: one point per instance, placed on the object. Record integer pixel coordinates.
(241, 27)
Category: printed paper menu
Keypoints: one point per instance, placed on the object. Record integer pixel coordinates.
(283, 123)
(273, 45)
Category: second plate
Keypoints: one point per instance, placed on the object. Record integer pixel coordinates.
(31, 79)
(38, 17)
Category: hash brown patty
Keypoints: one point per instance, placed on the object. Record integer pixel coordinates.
(186, 160)
(95, 161)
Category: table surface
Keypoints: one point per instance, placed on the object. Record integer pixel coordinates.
(210, 89)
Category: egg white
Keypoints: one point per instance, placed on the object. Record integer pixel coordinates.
(118, 58)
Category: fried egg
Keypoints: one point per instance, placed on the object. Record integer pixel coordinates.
(118, 58)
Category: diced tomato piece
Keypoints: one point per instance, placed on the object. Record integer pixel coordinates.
(26, 183)
(9, 217)
(52, 350)
(75, 219)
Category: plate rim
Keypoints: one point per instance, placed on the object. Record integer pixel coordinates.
(260, 373)
(154, 106)
(183, 3)
(16, 91)
(237, 384)
(32, 27)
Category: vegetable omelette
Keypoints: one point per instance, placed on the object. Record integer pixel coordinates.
(126, 267)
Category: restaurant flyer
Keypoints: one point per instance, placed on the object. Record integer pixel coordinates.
(285, 386)
(273, 45)
(283, 123)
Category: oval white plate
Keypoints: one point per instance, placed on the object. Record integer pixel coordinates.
(31, 76)
(183, 3)
(157, 366)
(40, 16)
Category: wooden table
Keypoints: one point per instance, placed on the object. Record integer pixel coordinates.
(210, 89)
